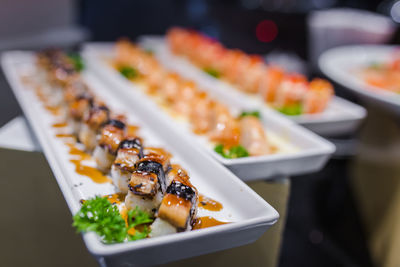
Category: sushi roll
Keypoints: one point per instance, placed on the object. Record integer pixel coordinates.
(148, 181)
(201, 114)
(269, 83)
(146, 186)
(178, 207)
(129, 152)
(77, 110)
(183, 104)
(318, 96)
(97, 116)
(110, 137)
(253, 137)
(291, 91)
(225, 128)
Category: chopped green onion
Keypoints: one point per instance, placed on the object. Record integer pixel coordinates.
(254, 113)
(291, 110)
(128, 72)
(231, 153)
(212, 72)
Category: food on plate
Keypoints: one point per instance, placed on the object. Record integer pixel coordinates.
(384, 75)
(291, 94)
(207, 116)
(155, 196)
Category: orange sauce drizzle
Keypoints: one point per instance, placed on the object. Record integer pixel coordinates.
(205, 222)
(64, 135)
(94, 174)
(73, 150)
(116, 198)
(59, 125)
(53, 110)
(131, 130)
(209, 204)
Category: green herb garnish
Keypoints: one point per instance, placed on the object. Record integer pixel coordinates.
(100, 216)
(231, 153)
(291, 110)
(77, 61)
(212, 72)
(254, 113)
(128, 72)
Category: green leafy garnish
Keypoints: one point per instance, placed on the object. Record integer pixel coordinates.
(212, 72)
(77, 61)
(254, 113)
(231, 153)
(128, 72)
(291, 110)
(100, 216)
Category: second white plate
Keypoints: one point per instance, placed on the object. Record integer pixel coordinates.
(310, 155)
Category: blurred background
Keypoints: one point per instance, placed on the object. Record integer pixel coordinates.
(338, 217)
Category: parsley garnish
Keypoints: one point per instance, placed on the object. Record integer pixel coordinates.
(100, 216)
(231, 153)
(254, 113)
(128, 72)
(212, 72)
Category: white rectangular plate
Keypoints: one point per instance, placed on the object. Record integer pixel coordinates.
(342, 63)
(340, 117)
(250, 215)
(310, 154)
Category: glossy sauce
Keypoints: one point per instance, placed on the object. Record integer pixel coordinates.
(90, 172)
(131, 130)
(116, 198)
(209, 204)
(63, 135)
(59, 125)
(53, 110)
(73, 150)
(205, 222)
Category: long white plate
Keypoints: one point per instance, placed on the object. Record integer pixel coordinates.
(311, 151)
(250, 214)
(341, 64)
(340, 117)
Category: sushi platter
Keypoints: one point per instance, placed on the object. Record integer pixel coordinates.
(295, 150)
(370, 71)
(90, 137)
(338, 117)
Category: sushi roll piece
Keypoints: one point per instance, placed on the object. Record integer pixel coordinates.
(225, 127)
(77, 110)
(291, 91)
(318, 96)
(201, 114)
(178, 207)
(158, 155)
(110, 137)
(250, 73)
(186, 97)
(253, 136)
(129, 152)
(270, 82)
(170, 89)
(146, 186)
(97, 116)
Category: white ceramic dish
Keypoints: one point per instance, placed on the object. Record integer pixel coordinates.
(311, 153)
(250, 214)
(340, 117)
(341, 64)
